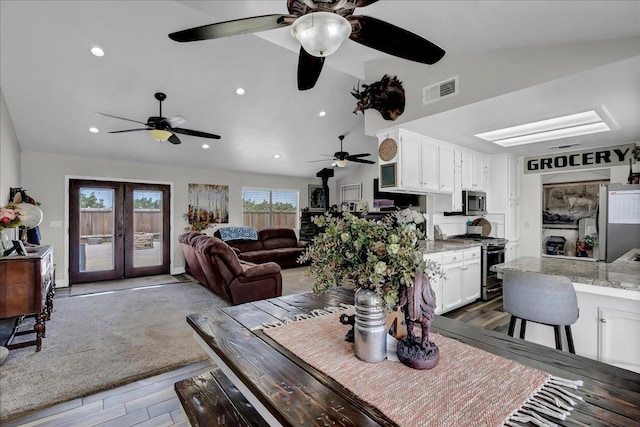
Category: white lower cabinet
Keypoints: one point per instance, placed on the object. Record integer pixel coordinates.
(461, 282)
(471, 276)
(607, 329)
(618, 332)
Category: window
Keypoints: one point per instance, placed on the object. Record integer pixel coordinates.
(262, 207)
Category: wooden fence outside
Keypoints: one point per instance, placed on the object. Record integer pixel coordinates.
(99, 222)
(261, 219)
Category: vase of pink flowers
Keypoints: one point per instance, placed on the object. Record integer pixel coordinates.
(10, 217)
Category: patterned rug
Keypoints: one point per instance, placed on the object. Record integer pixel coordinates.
(469, 386)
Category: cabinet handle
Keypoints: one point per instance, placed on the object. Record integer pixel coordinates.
(603, 320)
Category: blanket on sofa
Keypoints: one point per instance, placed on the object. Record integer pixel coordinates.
(238, 233)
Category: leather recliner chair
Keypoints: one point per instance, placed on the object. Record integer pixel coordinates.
(233, 279)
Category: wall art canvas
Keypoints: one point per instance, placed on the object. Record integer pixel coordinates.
(316, 198)
(565, 203)
(208, 203)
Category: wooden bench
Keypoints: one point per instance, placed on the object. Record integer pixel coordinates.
(212, 400)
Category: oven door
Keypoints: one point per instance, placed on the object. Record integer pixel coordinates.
(492, 285)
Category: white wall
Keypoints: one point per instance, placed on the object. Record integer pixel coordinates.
(46, 177)
(489, 74)
(9, 153)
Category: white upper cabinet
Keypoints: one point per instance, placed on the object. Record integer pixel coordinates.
(414, 163)
(430, 167)
(446, 166)
(473, 168)
(410, 162)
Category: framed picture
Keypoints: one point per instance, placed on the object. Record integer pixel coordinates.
(565, 203)
(388, 175)
(634, 178)
(316, 198)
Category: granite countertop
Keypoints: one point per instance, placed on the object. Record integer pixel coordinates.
(431, 247)
(620, 274)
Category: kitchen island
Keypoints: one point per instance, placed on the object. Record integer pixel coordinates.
(608, 328)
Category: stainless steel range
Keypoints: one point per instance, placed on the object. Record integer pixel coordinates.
(493, 251)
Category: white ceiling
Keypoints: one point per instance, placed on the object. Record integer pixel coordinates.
(53, 86)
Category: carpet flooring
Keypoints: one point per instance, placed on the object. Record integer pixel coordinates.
(99, 341)
(103, 335)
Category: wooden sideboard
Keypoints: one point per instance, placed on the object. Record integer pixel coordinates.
(27, 287)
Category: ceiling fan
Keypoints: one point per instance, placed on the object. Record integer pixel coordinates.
(341, 158)
(321, 26)
(164, 128)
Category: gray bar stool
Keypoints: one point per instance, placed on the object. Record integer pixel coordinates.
(542, 298)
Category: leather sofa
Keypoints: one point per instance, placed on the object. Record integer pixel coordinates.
(215, 265)
(274, 244)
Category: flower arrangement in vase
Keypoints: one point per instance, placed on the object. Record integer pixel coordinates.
(10, 217)
(381, 256)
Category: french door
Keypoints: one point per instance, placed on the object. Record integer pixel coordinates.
(117, 230)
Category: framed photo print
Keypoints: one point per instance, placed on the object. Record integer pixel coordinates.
(316, 198)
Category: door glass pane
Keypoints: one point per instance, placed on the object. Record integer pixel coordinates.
(147, 228)
(96, 229)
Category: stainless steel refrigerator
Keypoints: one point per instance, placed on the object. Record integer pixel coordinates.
(618, 220)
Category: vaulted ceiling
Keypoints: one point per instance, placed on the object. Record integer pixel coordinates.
(53, 86)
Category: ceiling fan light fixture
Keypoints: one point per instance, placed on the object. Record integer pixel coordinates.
(341, 163)
(321, 33)
(160, 134)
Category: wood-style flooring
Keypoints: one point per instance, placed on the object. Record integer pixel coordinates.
(153, 401)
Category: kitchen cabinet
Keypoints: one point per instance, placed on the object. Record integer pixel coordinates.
(446, 168)
(615, 328)
(429, 169)
(409, 166)
(462, 277)
(423, 165)
(473, 171)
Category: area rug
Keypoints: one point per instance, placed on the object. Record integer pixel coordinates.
(115, 285)
(469, 386)
(101, 341)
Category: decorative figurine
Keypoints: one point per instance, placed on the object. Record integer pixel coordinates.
(418, 303)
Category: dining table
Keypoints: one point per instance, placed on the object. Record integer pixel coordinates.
(265, 383)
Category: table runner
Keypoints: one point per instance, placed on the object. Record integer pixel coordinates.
(469, 386)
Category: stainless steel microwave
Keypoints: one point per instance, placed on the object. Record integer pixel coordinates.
(474, 202)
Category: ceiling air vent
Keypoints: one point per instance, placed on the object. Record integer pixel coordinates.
(440, 90)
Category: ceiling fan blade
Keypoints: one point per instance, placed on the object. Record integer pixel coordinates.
(355, 156)
(195, 133)
(233, 28)
(388, 38)
(129, 130)
(369, 162)
(322, 160)
(174, 139)
(359, 3)
(121, 118)
(309, 68)
(175, 121)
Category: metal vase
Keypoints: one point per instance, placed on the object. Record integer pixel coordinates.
(370, 335)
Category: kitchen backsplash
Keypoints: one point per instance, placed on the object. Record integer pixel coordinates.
(453, 225)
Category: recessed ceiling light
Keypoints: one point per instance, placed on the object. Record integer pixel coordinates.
(96, 51)
(94, 130)
(205, 146)
(240, 91)
(276, 156)
(584, 123)
(322, 113)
